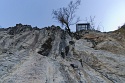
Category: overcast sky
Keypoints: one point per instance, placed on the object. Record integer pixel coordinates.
(109, 14)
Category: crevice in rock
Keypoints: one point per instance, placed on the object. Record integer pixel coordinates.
(63, 55)
(35, 40)
(66, 50)
(62, 44)
(74, 66)
(46, 47)
(71, 42)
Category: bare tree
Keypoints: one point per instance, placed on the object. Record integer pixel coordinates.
(91, 20)
(93, 25)
(66, 15)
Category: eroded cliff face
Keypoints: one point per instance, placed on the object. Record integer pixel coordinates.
(50, 55)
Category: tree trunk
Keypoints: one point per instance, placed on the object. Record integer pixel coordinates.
(68, 29)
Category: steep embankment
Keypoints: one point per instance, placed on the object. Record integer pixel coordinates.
(50, 55)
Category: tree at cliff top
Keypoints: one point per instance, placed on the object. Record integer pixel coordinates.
(66, 15)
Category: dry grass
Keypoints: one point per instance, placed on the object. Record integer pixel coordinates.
(121, 30)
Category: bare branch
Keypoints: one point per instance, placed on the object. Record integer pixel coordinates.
(66, 15)
(91, 20)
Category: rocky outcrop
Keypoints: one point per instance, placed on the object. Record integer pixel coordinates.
(18, 29)
(50, 55)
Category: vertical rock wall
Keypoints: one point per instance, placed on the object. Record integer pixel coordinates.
(50, 55)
